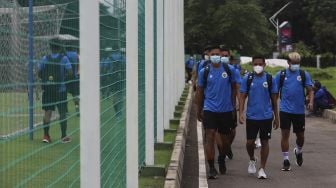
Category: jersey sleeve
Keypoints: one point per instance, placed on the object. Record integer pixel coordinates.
(200, 78)
(41, 64)
(243, 85)
(308, 82)
(277, 80)
(274, 86)
(66, 63)
(238, 77)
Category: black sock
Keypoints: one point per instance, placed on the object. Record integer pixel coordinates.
(211, 163)
(63, 128)
(46, 129)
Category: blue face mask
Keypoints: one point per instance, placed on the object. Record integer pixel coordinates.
(215, 59)
(295, 67)
(224, 59)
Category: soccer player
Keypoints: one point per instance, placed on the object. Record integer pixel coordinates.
(53, 70)
(292, 83)
(200, 65)
(261, 92)
(73, 83)
(189, 65)
(215, 106)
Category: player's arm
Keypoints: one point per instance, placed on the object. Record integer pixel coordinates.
(310, 91)
(242, 100)
(68, 67)
(200, 97)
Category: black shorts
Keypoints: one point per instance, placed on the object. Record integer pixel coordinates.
(73, 88)
(235, 119)
(298, 121)
(222, 122)
(264, 127)
(52, 100)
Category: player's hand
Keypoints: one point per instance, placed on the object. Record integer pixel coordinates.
(241, 119)
(310, 106)
(200, 116)
(276, 123)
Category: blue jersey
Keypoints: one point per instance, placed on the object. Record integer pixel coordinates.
(65, 66)
(190, 63)
(259, 105)
(292, 92)
(321, 97)
(237, 75)
(74, 60)
(218, 91)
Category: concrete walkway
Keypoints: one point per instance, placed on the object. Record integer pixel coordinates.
(318, 169)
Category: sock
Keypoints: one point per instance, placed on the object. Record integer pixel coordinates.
(211, 163)
(298, 149)
(63, 129)
(46, 130)
(285, 155)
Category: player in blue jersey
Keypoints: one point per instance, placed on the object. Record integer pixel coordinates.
(260, 90)
(53, 71)
(292, 83)
(214, 107)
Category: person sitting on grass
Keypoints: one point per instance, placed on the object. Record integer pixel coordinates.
(321, 99)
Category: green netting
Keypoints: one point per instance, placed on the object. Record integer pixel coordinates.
(32, 163)
(141, 83)
(113, 92)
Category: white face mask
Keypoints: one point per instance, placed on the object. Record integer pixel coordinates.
(295, 67)
(206, 57)
(215, 59)
(224, 59)
(258, 69)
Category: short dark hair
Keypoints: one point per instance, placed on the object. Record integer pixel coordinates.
(259, 57)
(222, 49)
(317, 84)
(213, 47)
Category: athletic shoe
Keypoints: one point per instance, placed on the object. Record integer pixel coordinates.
(262, 174)
(299, 159)
(46, 139)
(212, 173)
(257, 143)
(65, 140)
(286, 165)
(252, 167)
(221, 164)
(230, 154)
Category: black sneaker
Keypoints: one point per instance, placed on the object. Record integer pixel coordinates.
(299, 159)
(230, 154)
(221, 164)
(286, 165)
(212, 173)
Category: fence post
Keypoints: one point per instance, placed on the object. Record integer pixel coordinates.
(132, 93)
(89, 94)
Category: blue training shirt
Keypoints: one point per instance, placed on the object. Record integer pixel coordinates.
(259, 105)
(65, 66)
(74, 60)
(292, 94)
(217, 94)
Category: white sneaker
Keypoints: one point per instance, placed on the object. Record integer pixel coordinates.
(262, 174)
(257, 143)
(252, 167)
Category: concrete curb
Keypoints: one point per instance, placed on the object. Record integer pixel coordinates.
(175, 168)
(330, 114)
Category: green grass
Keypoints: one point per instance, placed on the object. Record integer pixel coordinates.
(169, 137)
(151, 182)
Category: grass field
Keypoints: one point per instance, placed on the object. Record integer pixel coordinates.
(326, 76)
(26, 163)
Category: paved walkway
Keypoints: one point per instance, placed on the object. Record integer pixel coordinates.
(318, 170)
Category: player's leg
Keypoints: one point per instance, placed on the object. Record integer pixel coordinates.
(299, 129)
(209, 121)
(62, 106)
(285, 125)
(265, 127)
(251, 135)
(48, 106)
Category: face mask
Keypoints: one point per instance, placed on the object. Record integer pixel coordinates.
(224, 59)
(206, 57)
(215, 59)
(258, 69)
(295, 67)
